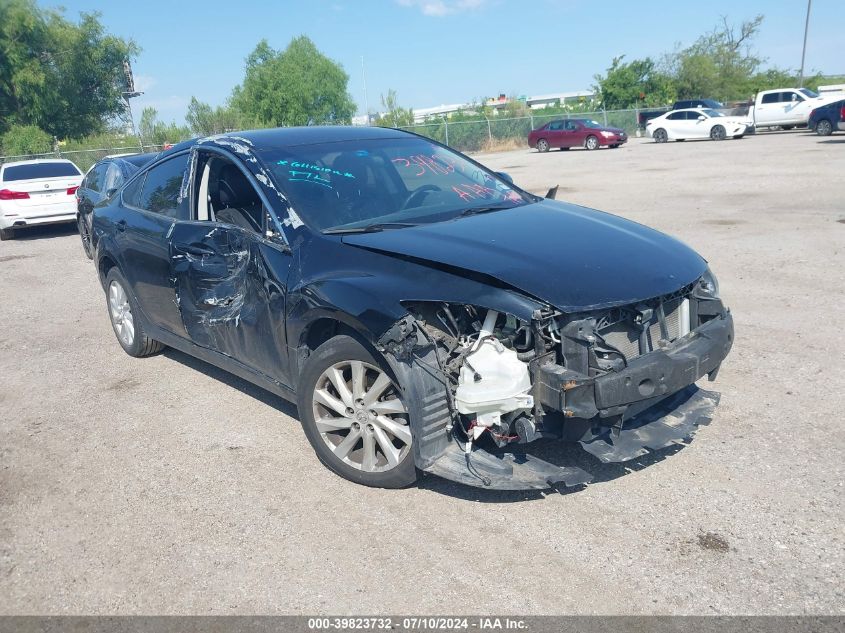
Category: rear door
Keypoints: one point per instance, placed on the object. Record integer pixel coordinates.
(770, 109)
(555, 134)
(152, 205)
(89, 191)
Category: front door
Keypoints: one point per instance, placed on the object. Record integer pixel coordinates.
(230, 277)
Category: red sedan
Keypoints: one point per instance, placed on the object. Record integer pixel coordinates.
(568, 133)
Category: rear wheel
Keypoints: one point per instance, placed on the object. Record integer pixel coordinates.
(542, 145)
(786, 127)
(591, 143)
(7, 234)
(718, 133)
(824, 128)
(353, 415)
(126, 318)
(660, 135)
(85, 236)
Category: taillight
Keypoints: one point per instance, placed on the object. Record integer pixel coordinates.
(842, 113)
(7, 194)
(72, 190)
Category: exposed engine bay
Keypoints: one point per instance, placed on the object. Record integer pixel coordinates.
(594, 377)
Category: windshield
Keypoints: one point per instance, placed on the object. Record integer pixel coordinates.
(39, 170)
(593, 124)
(809, 93)
(354, 184)
(710, 112)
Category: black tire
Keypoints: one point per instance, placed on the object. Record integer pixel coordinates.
(786, 128)
(7, 234)
(718, 133)
(85, 236)
(542, 145)
(824, 128)
(141, 345)
(659, 135)
(339, 350)
(591, 142)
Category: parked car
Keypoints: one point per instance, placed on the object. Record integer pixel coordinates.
(826, 119)
(644, 116)
(100, 182)
(786, 107)
(37, 192)
(417, 306)
(695, 123)
(568, 133)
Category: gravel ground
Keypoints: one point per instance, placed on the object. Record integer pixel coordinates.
(166, 486)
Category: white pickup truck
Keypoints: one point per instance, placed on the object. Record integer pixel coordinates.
(786, 107)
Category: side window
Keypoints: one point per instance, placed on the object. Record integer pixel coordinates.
(132, 193)
(113, 179)
(772, 97)
(571, 127)
(160, 192)
(676, 116)
(692, 115)
(556, 125)
(794, 97)
(230, 196)
(95, 177)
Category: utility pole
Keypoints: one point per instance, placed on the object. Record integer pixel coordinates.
(804, 49)
(364, 83)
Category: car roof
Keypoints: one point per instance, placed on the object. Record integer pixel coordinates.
(38, 161)
(275, 138)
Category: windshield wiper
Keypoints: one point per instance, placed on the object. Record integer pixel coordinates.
(490, 209)
(369, 228)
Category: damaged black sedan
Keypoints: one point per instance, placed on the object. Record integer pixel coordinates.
(422, 311)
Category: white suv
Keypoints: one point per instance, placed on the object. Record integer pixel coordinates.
(37, 192)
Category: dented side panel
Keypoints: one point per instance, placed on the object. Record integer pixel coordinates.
(230, 288)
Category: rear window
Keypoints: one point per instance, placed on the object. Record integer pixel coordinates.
(39, 170)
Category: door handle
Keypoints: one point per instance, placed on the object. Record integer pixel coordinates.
(198, 250)
(120, 225)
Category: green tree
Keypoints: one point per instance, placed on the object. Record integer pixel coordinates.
(205, 120)
(720, 64)
(64, 77)
(25, 139)
(297, 86)
(155, 132)
(394, 115)
(638, 82)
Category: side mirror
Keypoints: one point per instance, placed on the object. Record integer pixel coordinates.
(701, 117)
(111, 192)
(505, 176)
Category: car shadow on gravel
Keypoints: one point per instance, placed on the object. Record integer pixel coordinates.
(230, 380)
(564, 454)
(834, 140)
(45, 231)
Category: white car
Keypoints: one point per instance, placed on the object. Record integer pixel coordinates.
(680, 125)
(37, 192)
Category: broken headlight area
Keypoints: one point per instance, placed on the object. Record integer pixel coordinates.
(595, 377)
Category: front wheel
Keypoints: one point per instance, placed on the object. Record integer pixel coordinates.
(591, 143)
(660, 135)
(353, 415)
(7, 234)
(824, 128)
(542, 145)
(85, 236)
(718, 133)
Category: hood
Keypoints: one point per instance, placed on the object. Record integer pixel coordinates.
(571, 257)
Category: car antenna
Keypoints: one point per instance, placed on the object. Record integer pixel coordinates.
(551, 193)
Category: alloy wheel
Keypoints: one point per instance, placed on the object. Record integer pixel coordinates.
(592, 142)
(121, 314)
(660, 136)
(824, 128)
(542, 145)
(360, 416)
(718, 133)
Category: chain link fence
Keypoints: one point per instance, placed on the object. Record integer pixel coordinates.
(476, 135)
(491, 132)
(84, 158)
